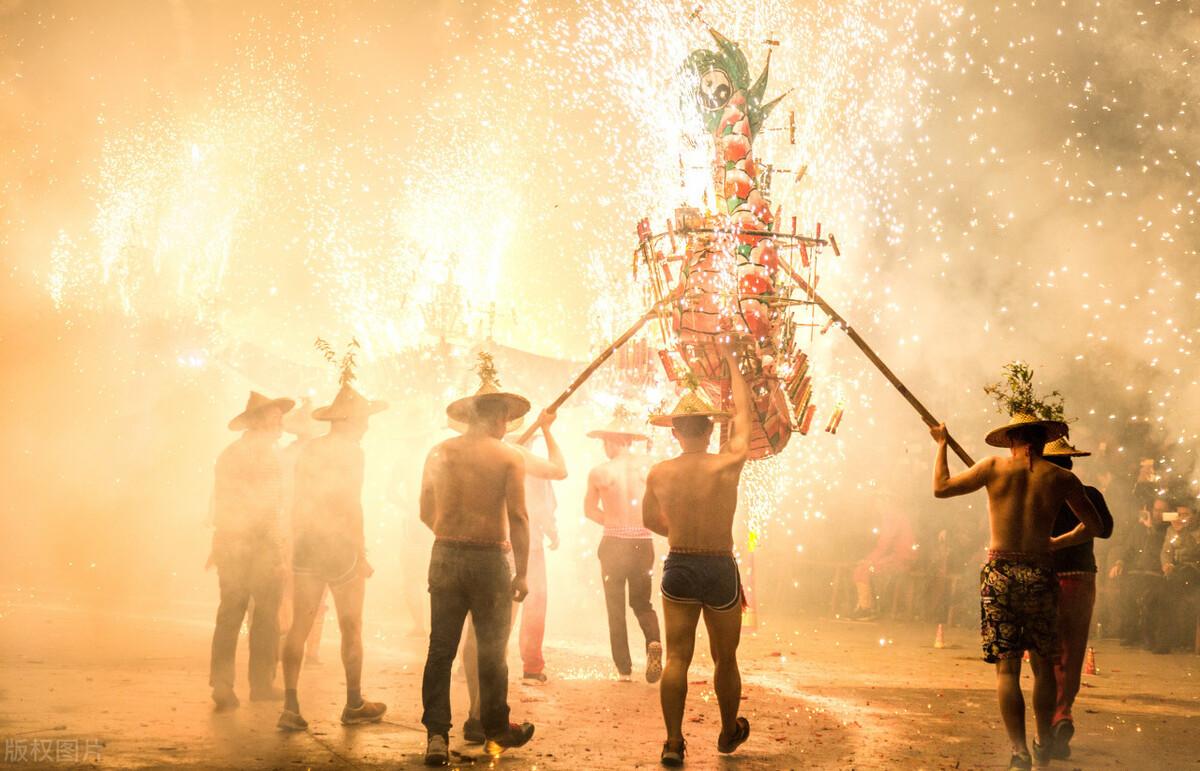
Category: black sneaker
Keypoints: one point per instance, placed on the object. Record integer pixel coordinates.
(473, 731)
(672, 756)
(1060, 746)
(437, 750)
(535, 678)
(862, 614)
(1042, 754)
(1020, 762)
(514, 736)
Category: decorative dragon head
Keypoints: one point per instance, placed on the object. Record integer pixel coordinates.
(723, 76)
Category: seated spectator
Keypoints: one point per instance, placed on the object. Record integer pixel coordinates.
(1173, 605)
(893, 554)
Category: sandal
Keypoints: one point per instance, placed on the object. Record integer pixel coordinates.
(672, 757)
(739, 736)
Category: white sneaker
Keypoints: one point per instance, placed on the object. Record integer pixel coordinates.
(654, 665)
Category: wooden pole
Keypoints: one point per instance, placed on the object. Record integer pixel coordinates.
(591, 368)
(856, 338)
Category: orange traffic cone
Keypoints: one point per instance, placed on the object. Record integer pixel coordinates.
(939, 639)
(1089, 664)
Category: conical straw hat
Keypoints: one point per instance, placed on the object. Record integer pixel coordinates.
(460, 411)
(254, 404)
(622, 426)
(999, 437)
(693, 403)
(349, 404)
(1061, 448)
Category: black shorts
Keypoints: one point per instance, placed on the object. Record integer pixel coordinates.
(1018, 607)
(711, 580)
(331, 559)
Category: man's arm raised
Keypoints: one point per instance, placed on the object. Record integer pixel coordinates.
(518, 524)
(946, 486)
(554, 466)
(1090, 525)
(739, 430)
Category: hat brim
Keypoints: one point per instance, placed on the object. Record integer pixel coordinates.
(1074, 454)
(667, 421)
(463, 410)
(999, 437)
(328, 413)
(242, 422)
(605, 434)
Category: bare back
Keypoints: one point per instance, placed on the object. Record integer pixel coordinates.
(1023, 502)
(467, 485)
(697, 495)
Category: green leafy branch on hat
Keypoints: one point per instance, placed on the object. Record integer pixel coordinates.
(348, 360)
(1015, 395)
(486, 369)
(623, 414)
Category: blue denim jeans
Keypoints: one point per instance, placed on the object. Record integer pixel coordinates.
(477, 580)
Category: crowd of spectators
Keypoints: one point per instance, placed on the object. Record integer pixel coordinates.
(914, 559)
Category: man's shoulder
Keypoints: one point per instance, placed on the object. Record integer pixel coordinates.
(231, 450)
(242, 450)
(483, 449)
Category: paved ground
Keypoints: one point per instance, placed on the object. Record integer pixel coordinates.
(118, 689)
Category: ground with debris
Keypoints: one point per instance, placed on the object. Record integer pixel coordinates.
(86, 688)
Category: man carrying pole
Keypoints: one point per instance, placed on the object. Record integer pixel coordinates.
(691, 499)
(1018, 588)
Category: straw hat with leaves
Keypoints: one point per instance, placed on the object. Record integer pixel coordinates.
(461, 411)
(348, 403)
(1015, 396)
(254, 406)
(1061, 448)
(623, 427)
(693, 404)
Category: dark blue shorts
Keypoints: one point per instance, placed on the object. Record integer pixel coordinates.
(331, 559)
(710, 580)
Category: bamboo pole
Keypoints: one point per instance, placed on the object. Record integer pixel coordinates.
(857, 339)
(591, 368)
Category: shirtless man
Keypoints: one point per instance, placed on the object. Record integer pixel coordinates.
(614, 501)
(540, 504)
(473, 499)
(691, 499)
(1019, 591)
(329, 551)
